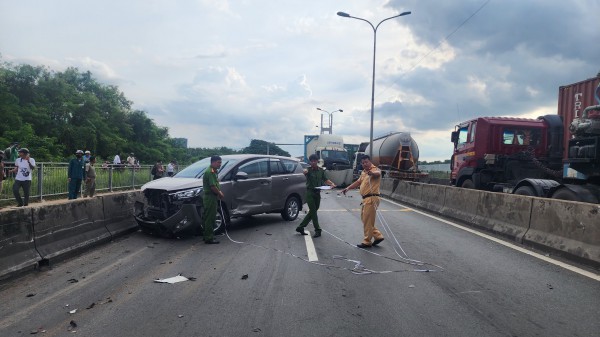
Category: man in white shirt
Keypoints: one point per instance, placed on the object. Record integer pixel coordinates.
(23, 168)
(117, 160)
(170, 169)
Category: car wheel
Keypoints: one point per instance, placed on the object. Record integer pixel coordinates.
(219, 226)
(468, 183)
(525, 190)
(291, 208)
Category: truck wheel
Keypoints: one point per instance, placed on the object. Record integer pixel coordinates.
(525, 190)
(468, 183)
(565, 194)
(291, 209)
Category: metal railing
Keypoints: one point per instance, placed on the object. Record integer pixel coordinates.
(50, 180)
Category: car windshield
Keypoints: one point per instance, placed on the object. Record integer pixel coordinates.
(196, 170)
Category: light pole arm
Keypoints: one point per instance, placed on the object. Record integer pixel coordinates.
(346, 15)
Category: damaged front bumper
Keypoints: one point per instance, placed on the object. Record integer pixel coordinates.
(185, 221)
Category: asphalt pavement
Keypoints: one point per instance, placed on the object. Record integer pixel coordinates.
(428, 278)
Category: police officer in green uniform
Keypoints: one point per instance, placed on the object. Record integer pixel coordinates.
(212, 192)
(315, 177)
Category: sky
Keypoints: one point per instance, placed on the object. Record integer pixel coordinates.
(223, 72)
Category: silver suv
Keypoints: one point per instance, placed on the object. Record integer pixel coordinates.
(252, 184)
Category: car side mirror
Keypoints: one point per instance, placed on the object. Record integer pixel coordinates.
(241, 175)
(454, 137)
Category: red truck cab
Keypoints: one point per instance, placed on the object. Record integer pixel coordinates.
(491, 152)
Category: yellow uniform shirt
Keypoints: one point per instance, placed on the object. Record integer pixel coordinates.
(369, 184)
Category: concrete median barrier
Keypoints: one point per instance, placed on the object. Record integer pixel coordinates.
(505, 214)
(17, 248)
(407, 192)
(68, 225)
(432, 197)
(566, 226)
(461, 204)
(118, 211)
(387, 186)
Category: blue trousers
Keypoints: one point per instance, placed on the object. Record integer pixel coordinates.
(74, 188)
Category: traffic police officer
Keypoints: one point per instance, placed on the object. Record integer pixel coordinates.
(369, 181)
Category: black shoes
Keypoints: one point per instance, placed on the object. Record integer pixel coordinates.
(317, 234)
(211, 242)
(376, 242)
(301, 231)
(362, 245)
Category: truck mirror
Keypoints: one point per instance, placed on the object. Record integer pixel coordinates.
(454, 137)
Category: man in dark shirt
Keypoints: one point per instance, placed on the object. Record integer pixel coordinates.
(315, 177)
(76, 174)
(212, 192)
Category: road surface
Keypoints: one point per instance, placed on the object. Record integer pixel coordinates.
(274, 282)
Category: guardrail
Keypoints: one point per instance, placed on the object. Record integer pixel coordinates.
(50, 180)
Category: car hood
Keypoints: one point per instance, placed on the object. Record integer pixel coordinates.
(172, 184)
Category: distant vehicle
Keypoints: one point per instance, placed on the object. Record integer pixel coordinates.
(252, 184)
(553, 156)
(396, 154)
(332, 156)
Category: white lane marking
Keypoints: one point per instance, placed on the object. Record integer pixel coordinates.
(508, 244)
(310, 248)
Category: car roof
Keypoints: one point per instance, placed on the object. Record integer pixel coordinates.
(253, 156)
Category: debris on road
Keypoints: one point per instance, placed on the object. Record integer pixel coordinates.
(91, 305)
(180, 316)
(73, 280)
(411, 286)
(245, 277)
(173, 279)
(73, 311)
(30, 295)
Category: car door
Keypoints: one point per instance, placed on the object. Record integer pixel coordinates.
(252, 194)
(280, 180)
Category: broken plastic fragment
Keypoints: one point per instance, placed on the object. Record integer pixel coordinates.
(173, 279)
(245, 277)
(73, 311)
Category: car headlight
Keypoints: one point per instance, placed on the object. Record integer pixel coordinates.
(187, 194)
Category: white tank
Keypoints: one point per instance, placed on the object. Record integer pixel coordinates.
(397, 150)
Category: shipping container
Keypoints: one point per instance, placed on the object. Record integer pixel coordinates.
(572, 100)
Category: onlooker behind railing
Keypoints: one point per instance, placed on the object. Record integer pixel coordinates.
(90, 178)
(2, 173)
(76, 174)
(24, 167)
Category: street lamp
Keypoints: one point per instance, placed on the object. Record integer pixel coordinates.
(330, 114)
(346, 15)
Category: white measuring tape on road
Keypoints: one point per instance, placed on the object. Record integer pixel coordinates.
(358, 269)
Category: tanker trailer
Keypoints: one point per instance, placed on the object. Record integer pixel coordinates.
(396, 154)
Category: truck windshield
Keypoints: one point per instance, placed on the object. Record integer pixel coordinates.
(462, 135)
(334, 155)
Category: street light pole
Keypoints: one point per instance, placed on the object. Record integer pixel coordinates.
(330, 114)
(346, 15)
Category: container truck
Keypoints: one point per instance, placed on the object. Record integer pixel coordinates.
(332, 156)
(553, 156)
(396, 154)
